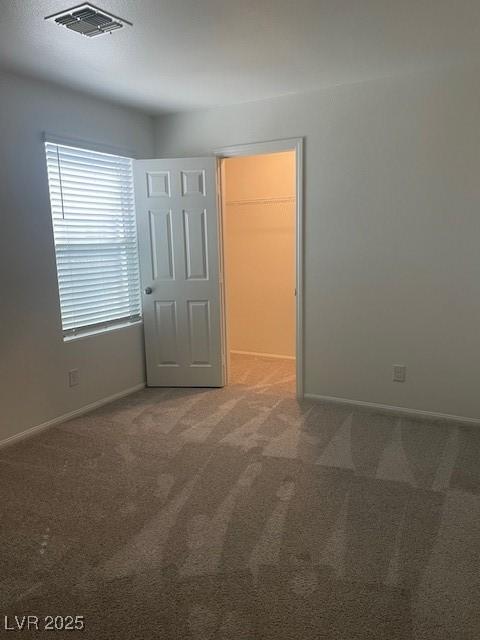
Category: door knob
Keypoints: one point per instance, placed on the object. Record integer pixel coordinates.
(148, 290)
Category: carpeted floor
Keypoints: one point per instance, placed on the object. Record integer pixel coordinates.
(240, 513)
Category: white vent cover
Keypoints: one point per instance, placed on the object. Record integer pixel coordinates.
(88, 20)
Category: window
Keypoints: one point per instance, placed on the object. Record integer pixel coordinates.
(93, 213)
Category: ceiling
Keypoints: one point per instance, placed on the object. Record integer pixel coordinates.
(188, 54)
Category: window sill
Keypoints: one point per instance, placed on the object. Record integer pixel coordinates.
(99, 331)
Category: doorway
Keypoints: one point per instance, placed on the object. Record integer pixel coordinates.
(260, 223)
(182, 266)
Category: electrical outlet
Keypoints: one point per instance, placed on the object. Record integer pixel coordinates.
(73, 378)
(399, 373)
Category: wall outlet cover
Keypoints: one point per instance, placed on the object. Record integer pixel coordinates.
(73, 378)
(399, 373)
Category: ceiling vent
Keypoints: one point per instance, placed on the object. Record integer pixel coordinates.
(88, 20)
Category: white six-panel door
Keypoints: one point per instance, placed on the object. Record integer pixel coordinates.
(176, 205)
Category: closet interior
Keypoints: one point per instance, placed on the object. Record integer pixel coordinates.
(259, 258)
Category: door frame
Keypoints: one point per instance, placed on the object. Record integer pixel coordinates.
(261, 148)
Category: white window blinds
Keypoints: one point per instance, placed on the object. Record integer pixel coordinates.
(92, 202)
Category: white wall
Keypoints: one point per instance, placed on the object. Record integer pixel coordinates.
(392, 230)
(259, 243)
(34, 360)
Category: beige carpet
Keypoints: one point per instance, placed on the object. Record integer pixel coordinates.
(239, 513)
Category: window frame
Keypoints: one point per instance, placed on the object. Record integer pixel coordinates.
(105, 326)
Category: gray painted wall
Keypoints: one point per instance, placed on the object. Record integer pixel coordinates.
(34, 360)
(392, 229)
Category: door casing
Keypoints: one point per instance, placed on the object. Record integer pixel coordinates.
(261, 148)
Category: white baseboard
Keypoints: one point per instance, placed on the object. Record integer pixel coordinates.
(262, 355)
(386, 408)
(68, 416)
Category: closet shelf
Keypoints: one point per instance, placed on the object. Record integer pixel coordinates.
(260, 201)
